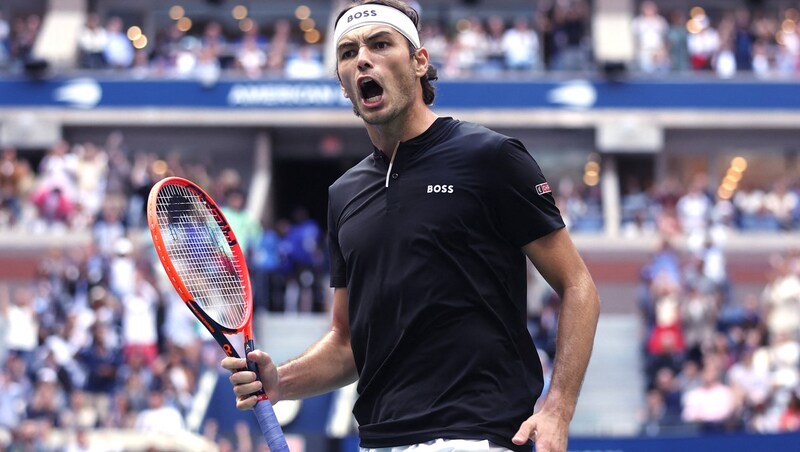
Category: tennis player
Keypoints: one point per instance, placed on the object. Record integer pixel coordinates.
(428, 240)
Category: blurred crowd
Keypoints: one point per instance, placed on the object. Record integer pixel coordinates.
(99, 338)
(553, 36)
(673, 207)
(719, 357)
(78, 186)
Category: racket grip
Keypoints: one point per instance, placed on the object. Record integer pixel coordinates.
(270, 427)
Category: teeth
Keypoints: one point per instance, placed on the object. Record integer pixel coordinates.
(374, 99)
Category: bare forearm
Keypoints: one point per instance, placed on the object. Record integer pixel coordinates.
(576, 329)
(325, 366)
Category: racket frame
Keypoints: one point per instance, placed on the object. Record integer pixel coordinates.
(218, 331)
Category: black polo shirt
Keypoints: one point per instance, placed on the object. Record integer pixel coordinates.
(437, 284)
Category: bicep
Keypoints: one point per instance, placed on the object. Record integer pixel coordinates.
(556, 258)
(340, 322)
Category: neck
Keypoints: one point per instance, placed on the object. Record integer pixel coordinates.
(387, 136)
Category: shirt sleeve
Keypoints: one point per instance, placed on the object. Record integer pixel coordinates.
(338, 267)
(523, 202)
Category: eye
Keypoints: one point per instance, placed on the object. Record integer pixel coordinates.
(381, 45)
(347, 54)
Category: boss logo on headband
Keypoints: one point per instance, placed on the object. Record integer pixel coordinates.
(360, 14)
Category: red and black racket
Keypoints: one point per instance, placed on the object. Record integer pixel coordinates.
(203, 260)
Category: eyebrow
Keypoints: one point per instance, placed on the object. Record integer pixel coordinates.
(372, 37)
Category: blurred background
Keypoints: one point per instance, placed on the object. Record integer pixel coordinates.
(669, 132)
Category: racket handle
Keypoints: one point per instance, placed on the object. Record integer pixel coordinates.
(270, 427)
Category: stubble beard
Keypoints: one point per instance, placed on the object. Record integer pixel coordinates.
(401, 104)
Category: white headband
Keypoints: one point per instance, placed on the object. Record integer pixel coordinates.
(372, 14)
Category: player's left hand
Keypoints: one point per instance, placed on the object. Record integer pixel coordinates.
(547, 431)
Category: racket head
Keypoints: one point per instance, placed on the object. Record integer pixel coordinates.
(200, 253)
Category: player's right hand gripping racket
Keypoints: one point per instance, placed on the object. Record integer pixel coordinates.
(203, 260)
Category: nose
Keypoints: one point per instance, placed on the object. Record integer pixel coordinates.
(363, 59)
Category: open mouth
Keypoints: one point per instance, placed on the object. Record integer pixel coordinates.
(371, 91)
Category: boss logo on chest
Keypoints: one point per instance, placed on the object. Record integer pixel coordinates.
(440, 189)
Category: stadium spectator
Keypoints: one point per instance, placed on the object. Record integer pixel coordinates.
(521, 46)
(694, 207)
(790, 419)
(159, 416)
(650, 33)
(24, 33)
(79, 414)
(5, 42)
(11, 393)
(781, 297)
(280, 47)
(246, 228)
(495, 54)
(750, 380)
(569, 25)
(90, 174)
(712, 405)
(781, 203)
(470, 45)
(100, 361)
(216, 43)
(118, 51)
(251, 58)
(48, 399)
(703, 43)
(306, 257)
(92, 42)
(14, 176)
(743, 39)
(678, 45)
(108, 228)
(21, 337)
(267, 265)
(139, 324)
(304, 64)
(438, 45)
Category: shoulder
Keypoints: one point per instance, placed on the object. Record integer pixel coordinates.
(354, 181)
(481, 140)
(353, 175)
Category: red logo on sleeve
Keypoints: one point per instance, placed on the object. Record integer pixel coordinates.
(543, 188)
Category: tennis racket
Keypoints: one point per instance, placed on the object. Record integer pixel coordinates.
(203, 260)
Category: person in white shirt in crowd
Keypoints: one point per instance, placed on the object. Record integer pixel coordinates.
(122, 266)
(710, 405)
(750, 380)
(90, 173)
(304, 64)
(650, 33)
(159, 417)
(59, 168)
(694, 207)
(22, 333)
(119, 49)
(470, 46)
(781, 204)
(521, 46)
(251, 57)
(92, 42)
(703, 44)
(781, 297)
(139, 324)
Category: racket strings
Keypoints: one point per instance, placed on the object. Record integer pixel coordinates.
(200, 253)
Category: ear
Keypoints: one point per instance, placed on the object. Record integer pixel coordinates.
(422, 60)
(341, 87)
